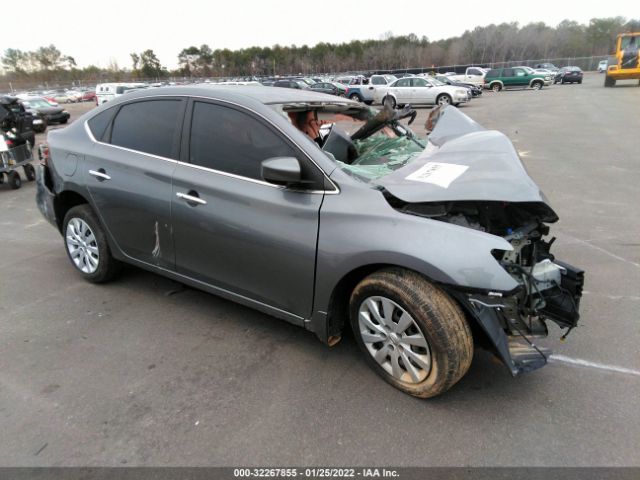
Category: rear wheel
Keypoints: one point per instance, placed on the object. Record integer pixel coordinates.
(86, 245)
(29, 172)
(14, 180)
(609, 82)
(411, 332)
(496, 87)
(389, 101)
(355, 97)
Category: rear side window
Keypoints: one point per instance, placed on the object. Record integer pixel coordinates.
(231, 141)
(149, 127)
(98, 124)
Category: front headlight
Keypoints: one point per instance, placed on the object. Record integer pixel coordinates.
(461, 92)
(64, 111)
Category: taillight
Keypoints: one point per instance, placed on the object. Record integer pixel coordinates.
(9, 143)
(43, 153)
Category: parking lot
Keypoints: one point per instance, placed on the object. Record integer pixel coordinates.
(142, 371)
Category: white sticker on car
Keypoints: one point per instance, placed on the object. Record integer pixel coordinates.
(441, 174)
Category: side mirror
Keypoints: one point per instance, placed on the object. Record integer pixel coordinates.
(281, 170)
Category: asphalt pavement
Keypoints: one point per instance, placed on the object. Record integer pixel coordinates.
(143, 372)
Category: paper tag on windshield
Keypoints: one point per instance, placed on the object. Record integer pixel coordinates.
(441, 174)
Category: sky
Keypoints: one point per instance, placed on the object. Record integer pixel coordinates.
(101, 32)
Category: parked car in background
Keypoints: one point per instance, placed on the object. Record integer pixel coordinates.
(344, 79)
(547, 66)
(602, 66)
(88, 96)
(61, 97)
(498, 79)
(420, 91)
(291, 83)
(473, 88)
(418, 245)
(474, 75)
(110, 91)
(332, 88)
(74, 95)
(568, 75)
(49, 113)
(362, 89)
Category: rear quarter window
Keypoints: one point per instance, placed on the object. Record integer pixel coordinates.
(99, 123)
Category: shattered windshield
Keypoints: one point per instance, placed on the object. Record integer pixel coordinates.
(364, 142)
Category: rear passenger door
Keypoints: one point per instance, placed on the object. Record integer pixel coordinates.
(232, 230)
(403, 90)
(128, 174)
(508, 78)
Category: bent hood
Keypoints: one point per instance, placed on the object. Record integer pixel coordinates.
(463, 162)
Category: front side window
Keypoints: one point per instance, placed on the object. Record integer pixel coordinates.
(419, 82)
(519, 72)
(149, 126)
(231, 141)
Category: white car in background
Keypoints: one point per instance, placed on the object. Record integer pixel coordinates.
(420, 91)
(474, 75)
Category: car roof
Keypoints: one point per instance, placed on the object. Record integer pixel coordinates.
(238, 93)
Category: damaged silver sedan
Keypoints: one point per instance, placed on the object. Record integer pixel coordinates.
(325, 213)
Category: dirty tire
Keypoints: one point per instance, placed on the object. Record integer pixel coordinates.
(389, 101)
(439, 319)
(537, 85)
(496, 87)
(14, 180)
(108, 266)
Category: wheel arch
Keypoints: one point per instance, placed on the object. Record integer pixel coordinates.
(65, 201)
(337, 315)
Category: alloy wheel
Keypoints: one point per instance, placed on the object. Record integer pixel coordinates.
(394, 340)
(82, 246)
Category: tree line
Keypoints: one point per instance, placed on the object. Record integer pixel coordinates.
(482, 45)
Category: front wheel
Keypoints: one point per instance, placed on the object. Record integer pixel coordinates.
(86, 245)
(536, 85)
(411, 332)
(443, 100)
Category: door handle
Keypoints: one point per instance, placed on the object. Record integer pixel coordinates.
(191, 199)
(100, 174)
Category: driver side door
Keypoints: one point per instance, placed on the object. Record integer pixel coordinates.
(249, 239)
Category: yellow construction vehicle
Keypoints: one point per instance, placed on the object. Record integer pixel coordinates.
(625, 64)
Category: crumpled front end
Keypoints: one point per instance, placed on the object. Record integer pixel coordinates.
(547, 289)
(489, 190)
